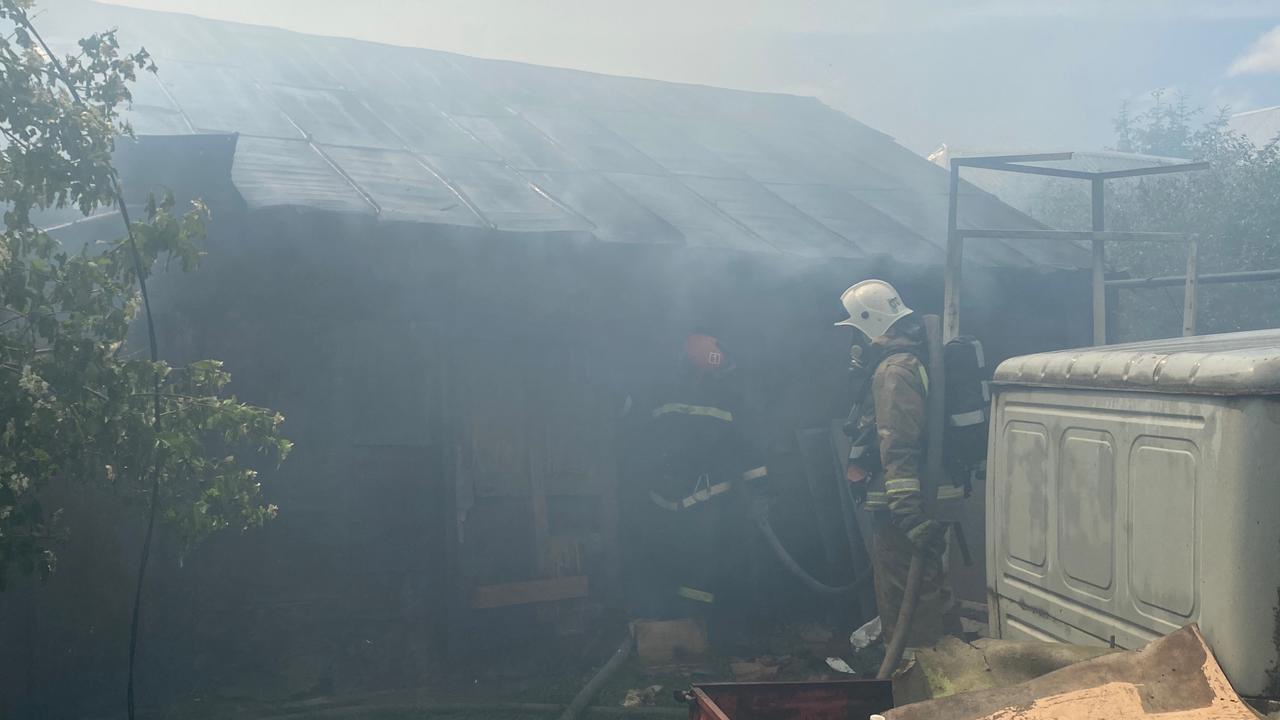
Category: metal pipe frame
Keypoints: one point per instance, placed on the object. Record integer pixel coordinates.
(1013, 163)
(990, 159)
(1097, 237)
(1070, 235)
(1208, 279)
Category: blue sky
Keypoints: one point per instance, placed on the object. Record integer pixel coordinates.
(983, 74)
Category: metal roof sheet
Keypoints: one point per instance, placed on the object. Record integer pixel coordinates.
(701, 223)
(403, 187)
(272, 172)
(506, 199)
(1245, 363)
(617, 216)
(418, 135)
(1261, 126)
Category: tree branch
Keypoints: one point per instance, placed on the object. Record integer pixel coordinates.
(96, 393)
(16, 139)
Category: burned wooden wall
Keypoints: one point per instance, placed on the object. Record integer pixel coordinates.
(454, 399)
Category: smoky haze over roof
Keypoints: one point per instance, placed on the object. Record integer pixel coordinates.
(424, 136)
(1032, 73)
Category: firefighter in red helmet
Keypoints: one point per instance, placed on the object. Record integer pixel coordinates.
(704, 353)
(688, 465)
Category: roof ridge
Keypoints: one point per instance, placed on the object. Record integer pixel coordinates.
(1255, 111)
(472, 145)
(449, 53)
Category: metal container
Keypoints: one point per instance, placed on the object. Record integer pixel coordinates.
(835, 700)
(1134, 489)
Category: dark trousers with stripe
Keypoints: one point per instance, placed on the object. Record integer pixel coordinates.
(686, 563)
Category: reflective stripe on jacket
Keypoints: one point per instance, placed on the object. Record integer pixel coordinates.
(692, 449)
(703, 494)
(686, 409)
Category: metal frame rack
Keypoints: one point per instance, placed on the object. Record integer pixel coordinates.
(1097, 237)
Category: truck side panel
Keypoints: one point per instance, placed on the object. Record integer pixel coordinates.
(1115, 517)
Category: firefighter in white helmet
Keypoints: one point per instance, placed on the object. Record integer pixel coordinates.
(888, 429)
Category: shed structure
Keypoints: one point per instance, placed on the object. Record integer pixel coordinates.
(449, 273)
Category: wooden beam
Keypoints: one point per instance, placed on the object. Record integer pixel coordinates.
(1070, 235)
(529, 592)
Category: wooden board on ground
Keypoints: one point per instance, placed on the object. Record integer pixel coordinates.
(528, 592)
(1175, 677)
(667, 642)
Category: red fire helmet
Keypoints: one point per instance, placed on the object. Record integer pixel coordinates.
(704, 352)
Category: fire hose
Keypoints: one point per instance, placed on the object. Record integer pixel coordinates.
(910, 599)
(597, 681)
(760, 512)
(895, 646)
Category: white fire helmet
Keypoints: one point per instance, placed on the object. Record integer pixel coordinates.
(873, 307)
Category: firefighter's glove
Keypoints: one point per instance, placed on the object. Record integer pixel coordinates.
(859, 492)
(929, 537)
(857, 479)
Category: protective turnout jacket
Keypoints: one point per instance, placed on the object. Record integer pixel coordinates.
(891, 438)
(695, 447)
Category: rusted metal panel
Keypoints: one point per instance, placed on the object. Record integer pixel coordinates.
(836, 700)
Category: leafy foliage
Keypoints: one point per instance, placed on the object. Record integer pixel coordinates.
(1166, 128)
(77, 407)
(1233, 209)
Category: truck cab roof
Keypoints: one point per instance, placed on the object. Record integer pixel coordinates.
(1243, 363)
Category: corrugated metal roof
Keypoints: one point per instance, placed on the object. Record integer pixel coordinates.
(1245, 363)
(1260, 126)
(423, 136)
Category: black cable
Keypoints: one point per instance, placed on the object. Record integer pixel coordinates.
(21, 15)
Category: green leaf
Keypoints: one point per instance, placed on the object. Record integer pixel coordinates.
(77, 404)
